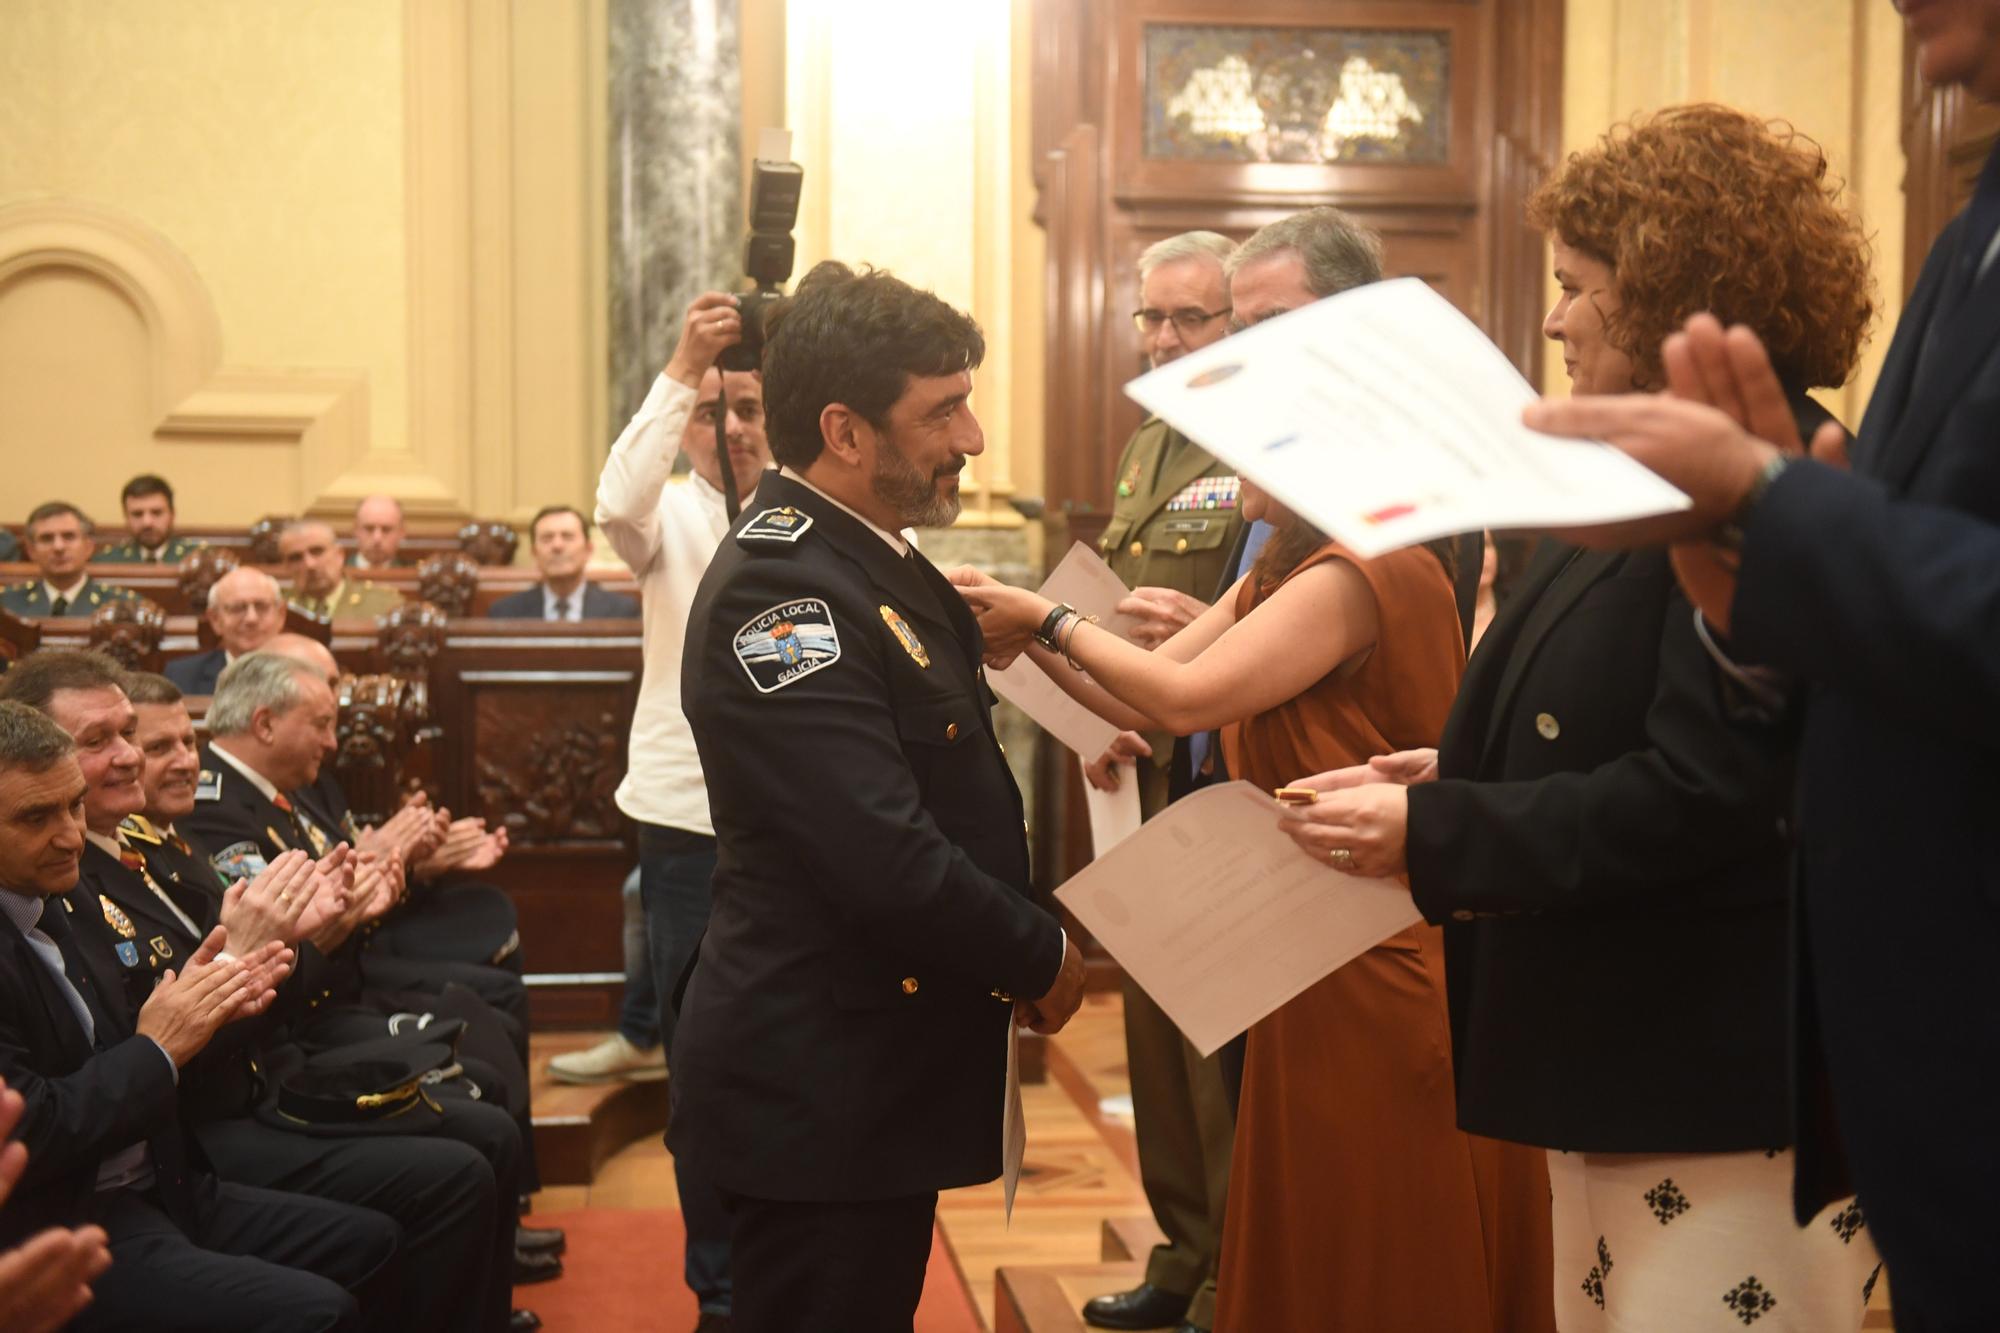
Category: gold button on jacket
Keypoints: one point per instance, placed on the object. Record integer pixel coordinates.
(1547, 726)
(909, 985)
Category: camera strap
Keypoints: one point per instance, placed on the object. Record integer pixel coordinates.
(732, 504)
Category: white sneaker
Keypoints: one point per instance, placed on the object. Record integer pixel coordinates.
(612, 1060)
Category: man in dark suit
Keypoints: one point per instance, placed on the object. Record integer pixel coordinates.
(59, 542)
(246, 608)
(838, 1057)
(149, 526)
(560, 538)
(105, 1142)
(1875, 594)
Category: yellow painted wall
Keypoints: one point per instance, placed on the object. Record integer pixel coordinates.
(264, 141)
(1830, 67)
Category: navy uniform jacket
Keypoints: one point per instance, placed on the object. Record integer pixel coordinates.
(128, 552)
(1882, 590)
(840, 1038)
(198, 672)
(598, 604)
(30, 600)
(86, 1099)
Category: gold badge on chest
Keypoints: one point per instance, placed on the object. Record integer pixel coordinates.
(905, 636)
(114, 916)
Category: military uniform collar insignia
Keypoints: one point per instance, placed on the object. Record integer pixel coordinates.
(138, 827)
(905, 636)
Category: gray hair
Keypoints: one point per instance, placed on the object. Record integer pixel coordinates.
(30, 740)
(1188, 245)
(250, 574)
(254, 681)
(1338, 252)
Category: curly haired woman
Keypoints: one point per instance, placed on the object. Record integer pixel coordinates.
(1601, 838)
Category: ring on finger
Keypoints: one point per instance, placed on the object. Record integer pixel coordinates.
(1340, 858)
(285, 898)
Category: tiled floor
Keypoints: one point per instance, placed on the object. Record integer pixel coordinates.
(1078, 1170)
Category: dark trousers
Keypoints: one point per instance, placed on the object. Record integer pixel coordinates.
(639, 1014)
(855, 1267)
(463, 921)
(254, 1260)
(458, 1226)
(675, 868)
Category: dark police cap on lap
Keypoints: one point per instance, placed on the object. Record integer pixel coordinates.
(840, 1037)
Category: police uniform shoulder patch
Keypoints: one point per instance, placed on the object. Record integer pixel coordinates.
(790, 641)
(208, 787)
(783, 524)
(905, 636)
(239, 860)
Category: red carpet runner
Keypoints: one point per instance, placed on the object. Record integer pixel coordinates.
(623, 1271)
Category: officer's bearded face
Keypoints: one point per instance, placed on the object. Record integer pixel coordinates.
(929, 434)
(149, 518)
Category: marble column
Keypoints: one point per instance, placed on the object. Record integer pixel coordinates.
(675, 172)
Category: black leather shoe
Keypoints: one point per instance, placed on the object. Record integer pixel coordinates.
(1145, 1306)
(533, 1266)
(712, 1322)
(540, 1240)
(523, 1321)
(1190, 1328)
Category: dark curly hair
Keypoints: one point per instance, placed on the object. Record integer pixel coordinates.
(854, 338)
(1702, 207)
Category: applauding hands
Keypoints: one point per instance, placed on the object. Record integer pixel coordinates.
(184, 1010)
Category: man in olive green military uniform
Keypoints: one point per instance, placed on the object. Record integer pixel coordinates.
(59, 542)
(1174, 522)
(149, 527)
(319, 585)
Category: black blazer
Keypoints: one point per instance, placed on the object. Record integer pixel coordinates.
(841, 1037)
(1882, 590)
(198, 672)
(598, 604)
(1605, 852)
(86, 1099)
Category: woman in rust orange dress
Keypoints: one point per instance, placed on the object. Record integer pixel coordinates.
(1355, 1201)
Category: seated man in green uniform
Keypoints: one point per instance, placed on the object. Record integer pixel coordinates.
(59, 542)
(319, 582)
(149, 526)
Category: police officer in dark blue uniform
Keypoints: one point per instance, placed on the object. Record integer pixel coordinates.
(840, 1051)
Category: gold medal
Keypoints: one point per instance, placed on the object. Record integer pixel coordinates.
(905, 636)
(115, 917)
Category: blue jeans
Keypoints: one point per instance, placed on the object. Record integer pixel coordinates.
(639, 1016)
(675, 868)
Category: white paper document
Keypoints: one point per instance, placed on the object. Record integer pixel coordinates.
(1086, 583)
(1222, 918)
(1114, 815)
(1384, 417)
(1013, 1123)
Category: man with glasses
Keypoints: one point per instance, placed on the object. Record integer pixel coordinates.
(1174, 524)
(245, 609)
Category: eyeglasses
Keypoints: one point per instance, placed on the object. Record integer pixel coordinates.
(1186, 321)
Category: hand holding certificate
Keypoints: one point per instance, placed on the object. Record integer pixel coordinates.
(1222, 918)
(1384, 417)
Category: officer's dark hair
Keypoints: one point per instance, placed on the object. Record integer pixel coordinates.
(40, 676)
(49, 509)
(547, 510)
(146, 687)
(854, 339)
(28, 740)
(146, 484)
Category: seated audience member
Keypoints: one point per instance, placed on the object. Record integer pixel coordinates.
(559, 538)
(271, 726)
(104, 1137)
(149, 526)
(245, 608)
(378, 534)
(320, 586)
(1355, 1202)
(45, 1279)
(59, 542)
(450, 1181)
(1594, 823)
(634, 1052)
(10, 545)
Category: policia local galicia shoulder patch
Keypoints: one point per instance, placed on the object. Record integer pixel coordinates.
(787, 642)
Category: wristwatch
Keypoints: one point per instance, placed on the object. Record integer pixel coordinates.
(1046, 635)
(1729, 533)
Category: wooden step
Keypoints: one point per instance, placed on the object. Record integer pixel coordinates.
(578, 1128)
(1049, 1298)
(1130, 1238)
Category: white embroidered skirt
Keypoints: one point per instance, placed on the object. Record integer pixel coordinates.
(1684, 1243)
